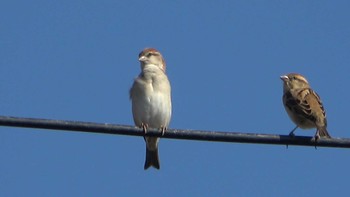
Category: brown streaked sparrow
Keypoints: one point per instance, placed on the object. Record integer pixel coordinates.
(150, 95)
(303, 105)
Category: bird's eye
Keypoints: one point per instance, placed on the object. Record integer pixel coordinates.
(148, 54)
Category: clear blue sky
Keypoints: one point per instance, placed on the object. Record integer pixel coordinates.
(76, 60)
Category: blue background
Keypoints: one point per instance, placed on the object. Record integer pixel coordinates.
(76, 60)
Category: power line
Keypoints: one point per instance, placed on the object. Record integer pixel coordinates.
(105, 128)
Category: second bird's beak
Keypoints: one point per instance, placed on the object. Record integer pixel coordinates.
(284, 78)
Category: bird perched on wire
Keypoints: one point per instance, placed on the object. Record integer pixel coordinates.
(303, 105)
(150, 95)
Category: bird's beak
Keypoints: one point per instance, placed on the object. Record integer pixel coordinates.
(284, 78)
(142, 58)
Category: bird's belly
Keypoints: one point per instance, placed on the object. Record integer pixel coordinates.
(155, 111)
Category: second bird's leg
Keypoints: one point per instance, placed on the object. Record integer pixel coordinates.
(291, 134)
(316, 137)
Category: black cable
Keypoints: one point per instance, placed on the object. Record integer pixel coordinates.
(239, 137)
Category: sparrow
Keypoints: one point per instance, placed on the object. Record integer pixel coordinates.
(303, 105)
(150, 96)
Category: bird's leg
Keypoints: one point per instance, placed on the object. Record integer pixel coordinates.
(144, 128)
(163, 129)
(291, 134)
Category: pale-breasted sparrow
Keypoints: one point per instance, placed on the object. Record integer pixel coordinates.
(303, 105)
(150, 95)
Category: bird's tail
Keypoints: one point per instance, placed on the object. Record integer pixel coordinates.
(322, 131)
(152, 158)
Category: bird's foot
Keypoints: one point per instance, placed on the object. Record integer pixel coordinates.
(163, 129)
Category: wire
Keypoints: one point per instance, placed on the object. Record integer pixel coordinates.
(239, 137)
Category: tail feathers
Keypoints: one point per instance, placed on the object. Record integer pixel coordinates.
(323, 132)
(152, 159)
